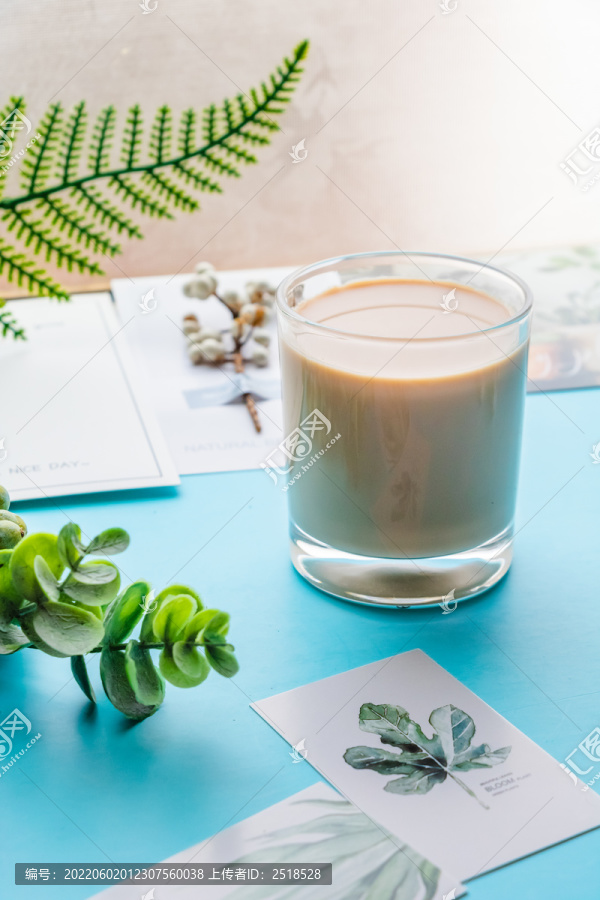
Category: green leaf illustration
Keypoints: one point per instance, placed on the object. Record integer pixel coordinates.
(422, 762)
(75, 180)
(368, 862)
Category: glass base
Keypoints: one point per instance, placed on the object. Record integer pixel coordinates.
(401, 583)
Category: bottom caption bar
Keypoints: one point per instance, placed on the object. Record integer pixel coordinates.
(197, 873)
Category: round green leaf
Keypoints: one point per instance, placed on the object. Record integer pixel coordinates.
(191, 662)
(109, 542)
(125, 613)
(174, 674)
(147, 630)
(219, 624)
(172, 617)
(95, 572)
(92, 593)
(11, 640)
(46, 579)
(221, 658)
(174, 590)
(118, 688)
(70, 546)
(67, 628)
(33, 636)
(96, 611)
(21, 564)
(198, 623)
(143, 676)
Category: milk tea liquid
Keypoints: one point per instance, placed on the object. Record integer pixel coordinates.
(429, 419)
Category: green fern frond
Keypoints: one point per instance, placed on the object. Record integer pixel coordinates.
(138, 197)
(163, 187)
(6, 148)
(102, 139)
(100, 208)
(265, 122)
(66, 195)
(209, 124)
(14, 102)
(8, 325)
(72, 142)
(67, 219)
(38, 161)
(160, 136)
(41, 239)
(132, 138)
(17, 268)
(187, 132)
(244, 108)
(253, 138)
(239, 152)
(200, 182)
(230, 118)
(215, 163)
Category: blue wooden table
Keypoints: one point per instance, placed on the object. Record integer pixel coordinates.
(94, 788)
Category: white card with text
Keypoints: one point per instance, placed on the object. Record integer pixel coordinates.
(431, 762)
(74, 416)
(314, 826)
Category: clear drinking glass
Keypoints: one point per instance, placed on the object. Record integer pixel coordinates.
(402, 449)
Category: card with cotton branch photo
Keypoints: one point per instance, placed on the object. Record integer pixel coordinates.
(244, 342)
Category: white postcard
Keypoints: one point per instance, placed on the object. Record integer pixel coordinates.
(565, 340)
(314, 826)
(200, 408)
(432, 763)
(74, 417)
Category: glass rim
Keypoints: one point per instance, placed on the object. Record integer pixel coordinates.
(312, 268)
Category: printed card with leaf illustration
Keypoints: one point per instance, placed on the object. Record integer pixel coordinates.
(313, 826)
(428, 760)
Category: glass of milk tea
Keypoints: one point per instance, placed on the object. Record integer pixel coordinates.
(404, 382)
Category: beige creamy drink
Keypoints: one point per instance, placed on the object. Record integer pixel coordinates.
(429, 420)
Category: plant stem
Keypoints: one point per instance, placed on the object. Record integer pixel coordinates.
(248, 398)
(143, 645)
(228, 308)
(238, 362)
(467, 789)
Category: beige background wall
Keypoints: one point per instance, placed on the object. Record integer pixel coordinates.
(423, 130)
